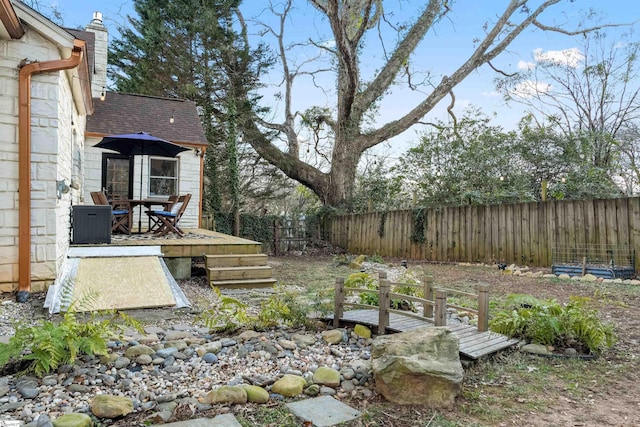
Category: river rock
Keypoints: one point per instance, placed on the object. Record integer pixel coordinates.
(289, 385)
(303, 340)
(73, 420)
(256, 394)
(247, 335)
(226, 394)
(362, 331)
(136, 350)
(210, 347)
(326, 376)
(420, 366)
(107, 406)
(536, 349)
(332, 336)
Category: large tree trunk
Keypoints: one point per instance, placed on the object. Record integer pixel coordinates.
(341, 180)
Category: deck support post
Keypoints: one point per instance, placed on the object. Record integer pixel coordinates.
(427, 283)
(483, 308)
(383, 306)
(338, 299)
(441, 308)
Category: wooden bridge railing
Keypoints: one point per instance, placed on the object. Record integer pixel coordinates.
(434, 298)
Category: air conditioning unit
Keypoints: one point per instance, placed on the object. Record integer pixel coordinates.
(91, 224)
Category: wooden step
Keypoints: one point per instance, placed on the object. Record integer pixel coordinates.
(234, 273)
(244, 283)
(235, 260)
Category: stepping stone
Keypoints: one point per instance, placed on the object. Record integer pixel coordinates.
(324, 411)
(224, 420)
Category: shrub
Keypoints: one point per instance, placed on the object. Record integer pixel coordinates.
(365, 281)
(48, 345)
(549, 323)
(283, 307)
(375, 258)
(228, 315)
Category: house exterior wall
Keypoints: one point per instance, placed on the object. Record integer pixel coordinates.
(188, 180)
(51, 109)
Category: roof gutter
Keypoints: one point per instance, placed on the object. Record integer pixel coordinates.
(24, 159)
(10, 20)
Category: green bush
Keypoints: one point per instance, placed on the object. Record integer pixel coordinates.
(48, 345)
(547, 322)
(366, 281)
(228, 315)
(342, 259)
(375, 258)
(283, 307)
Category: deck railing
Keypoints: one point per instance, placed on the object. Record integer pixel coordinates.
(434, 303)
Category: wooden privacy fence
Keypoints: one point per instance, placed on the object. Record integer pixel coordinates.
(434, 303)
(524, 233)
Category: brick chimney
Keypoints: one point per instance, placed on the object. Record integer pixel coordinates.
(99, 76)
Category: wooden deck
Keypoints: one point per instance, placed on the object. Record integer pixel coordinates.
(473, 343)
(197, 243)
(230, 261)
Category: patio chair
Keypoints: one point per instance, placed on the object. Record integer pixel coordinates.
(119, 210)
(168, 220)
(154, 221)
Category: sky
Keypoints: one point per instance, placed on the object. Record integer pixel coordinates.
(454, 41)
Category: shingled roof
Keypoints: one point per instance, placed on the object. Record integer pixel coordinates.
(90, 40)
(123, 113)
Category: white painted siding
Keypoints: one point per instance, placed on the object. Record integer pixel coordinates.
(188, 180)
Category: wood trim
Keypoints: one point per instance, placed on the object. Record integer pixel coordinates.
(10, 20)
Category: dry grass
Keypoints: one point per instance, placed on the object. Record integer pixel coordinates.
(512, 388)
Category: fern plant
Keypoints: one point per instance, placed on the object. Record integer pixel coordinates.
(47, 345)
(283, 307)
(228, 315)
(549, 323)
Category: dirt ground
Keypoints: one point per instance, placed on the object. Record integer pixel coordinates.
(512, 388)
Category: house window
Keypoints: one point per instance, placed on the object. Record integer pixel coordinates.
(163, 177)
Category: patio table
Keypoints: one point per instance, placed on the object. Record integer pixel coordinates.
(147, 203)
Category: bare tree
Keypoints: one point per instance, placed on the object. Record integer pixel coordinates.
(590, 93)
(345, 131)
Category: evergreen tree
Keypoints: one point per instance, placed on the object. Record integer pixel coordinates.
(189, 49)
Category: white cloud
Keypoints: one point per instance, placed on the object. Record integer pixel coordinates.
(571, 57)
(524, 65)
(530, 88)
(329, 44)
(491, 94)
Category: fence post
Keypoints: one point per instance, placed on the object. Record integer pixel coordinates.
(382, 275)
(441, 308)
(338, 299)
(427, 283)
(276, 237)
(483, 308)
(383, 306)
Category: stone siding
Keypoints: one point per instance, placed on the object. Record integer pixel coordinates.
(52, 110)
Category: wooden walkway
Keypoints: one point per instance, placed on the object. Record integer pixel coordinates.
(473, 343)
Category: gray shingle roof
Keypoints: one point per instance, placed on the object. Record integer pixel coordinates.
(90, 40)
(123, 113)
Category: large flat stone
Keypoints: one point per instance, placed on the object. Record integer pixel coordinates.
(224, 420)
(324, 411)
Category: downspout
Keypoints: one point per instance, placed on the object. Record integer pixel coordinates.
(24, 160)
